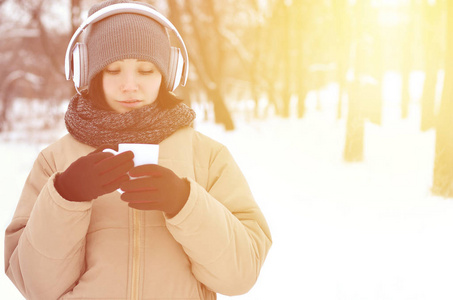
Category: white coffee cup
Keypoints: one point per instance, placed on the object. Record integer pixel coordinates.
(144, 154)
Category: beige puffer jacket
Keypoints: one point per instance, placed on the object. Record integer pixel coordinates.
(56, 249)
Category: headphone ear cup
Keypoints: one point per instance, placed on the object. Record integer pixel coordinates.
(175, 68)
(80, 65)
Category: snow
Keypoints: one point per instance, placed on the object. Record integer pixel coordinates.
(353, 231)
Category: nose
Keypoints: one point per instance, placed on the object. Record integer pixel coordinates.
(129, 82)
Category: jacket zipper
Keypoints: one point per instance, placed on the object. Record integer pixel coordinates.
(136, 256)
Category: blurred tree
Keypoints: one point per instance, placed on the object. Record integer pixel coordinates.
(364, 88)
(407, 55)
(443, 160)
(256, 54)
(300, 13)
(353, 148)
(283, 10)
(208, 55)
(432, 46)
(270, 48)
(342, 17)
(355, 124)
(298, 52)
(48, 41)
(246, 32)
(277, 59)
(29, 65)
(76, 11)
(309, 49)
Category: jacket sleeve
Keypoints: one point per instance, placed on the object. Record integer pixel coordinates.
(44, 243)
(222, 229)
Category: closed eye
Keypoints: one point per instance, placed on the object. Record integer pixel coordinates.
(147, 72)
(112, 72)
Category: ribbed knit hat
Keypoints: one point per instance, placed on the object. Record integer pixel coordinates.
(124, 36)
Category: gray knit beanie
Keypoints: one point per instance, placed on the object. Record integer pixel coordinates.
(124, 36)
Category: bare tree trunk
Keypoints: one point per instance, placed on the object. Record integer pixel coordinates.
(5, 106)
(301, 90)
(344, 46)
(355, 125)
(7, 94)
(300, 13)
(260, 53)
(443, 160)
(76, 11)
(406, 66)
(432, 54)
(285, 47)
(272, 61)
(429, 95)
(254, 80)
(256, 59)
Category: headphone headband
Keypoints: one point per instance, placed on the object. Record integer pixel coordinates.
(121, 8)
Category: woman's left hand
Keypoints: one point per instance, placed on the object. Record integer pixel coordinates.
(156, 188)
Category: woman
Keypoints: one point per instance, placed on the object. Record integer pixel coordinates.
(188, 228)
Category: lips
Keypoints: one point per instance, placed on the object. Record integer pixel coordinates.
(130, 102)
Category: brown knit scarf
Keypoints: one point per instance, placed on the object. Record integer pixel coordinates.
(150, 124)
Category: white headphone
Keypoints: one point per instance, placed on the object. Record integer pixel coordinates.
(76, 58)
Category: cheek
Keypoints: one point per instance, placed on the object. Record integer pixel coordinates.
(107, 85)
(152, 88)
(155, 86)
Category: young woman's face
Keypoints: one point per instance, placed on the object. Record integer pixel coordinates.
(130, 84)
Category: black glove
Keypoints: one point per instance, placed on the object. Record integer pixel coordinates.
(157, 188)
(93, 175)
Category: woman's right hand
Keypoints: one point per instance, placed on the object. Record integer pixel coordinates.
(93, 175)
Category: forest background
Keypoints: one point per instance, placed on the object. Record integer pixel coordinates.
(259, 58)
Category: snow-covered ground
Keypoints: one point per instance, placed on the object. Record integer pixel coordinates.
(351, 231)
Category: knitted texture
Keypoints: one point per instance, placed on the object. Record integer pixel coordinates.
(125, 36)
(146, 125)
